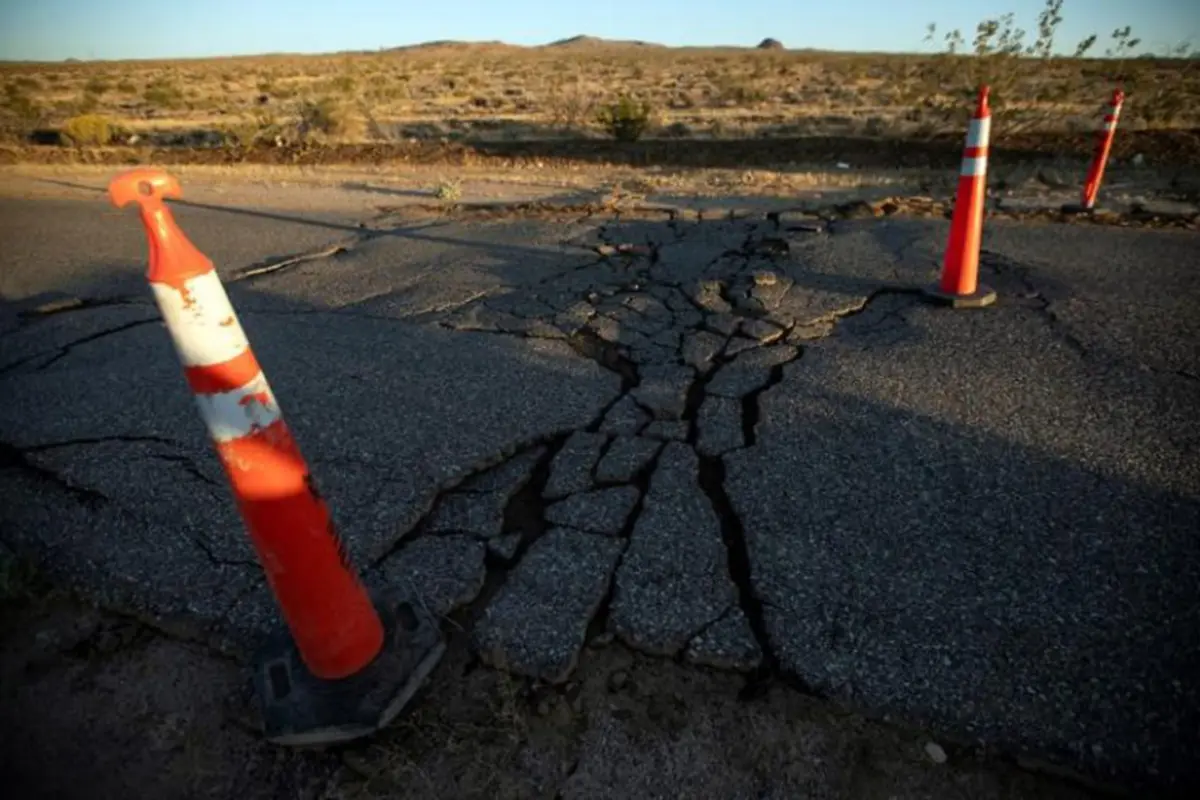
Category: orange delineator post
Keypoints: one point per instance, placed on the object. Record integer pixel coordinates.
(959, 282)
(1091, 186)
(327, 609)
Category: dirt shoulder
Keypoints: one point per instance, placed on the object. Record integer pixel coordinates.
(101, 706)
(1170, 149)
(1137, 196)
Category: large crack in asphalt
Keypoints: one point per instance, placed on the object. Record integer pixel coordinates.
(524, 515)
(750, 401)
(615, 357)
(525, 511)
(598, 626)
(733, 534)
(711, 478)
(588, 344)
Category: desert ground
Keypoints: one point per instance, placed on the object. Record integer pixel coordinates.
(467, 103)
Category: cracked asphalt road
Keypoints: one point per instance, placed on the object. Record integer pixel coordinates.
(743, 442)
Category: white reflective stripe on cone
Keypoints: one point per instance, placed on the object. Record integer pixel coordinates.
(974, 166)
(232, 415)
(979, 132)
(201, 321)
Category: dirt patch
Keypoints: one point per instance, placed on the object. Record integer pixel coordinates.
(99, 706)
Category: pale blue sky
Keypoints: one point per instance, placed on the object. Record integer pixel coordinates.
(88, 29)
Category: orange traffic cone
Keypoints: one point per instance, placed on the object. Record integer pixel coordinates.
(322, 684)
(1104, 142)
(959, 285)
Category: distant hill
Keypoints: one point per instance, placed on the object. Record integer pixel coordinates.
(595, 42)
(453, 44)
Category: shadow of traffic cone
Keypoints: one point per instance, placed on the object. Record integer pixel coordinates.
(345, 665)
(959, 286)
(1104, 142)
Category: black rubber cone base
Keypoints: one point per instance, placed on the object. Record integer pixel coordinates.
(1076, 208)
(301, 709)
(982, 296)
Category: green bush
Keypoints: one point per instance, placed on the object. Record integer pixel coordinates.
(625, 120)
(88, 129)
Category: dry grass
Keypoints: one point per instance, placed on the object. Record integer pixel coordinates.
(497, 92)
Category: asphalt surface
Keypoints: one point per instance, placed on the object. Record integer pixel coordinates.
(743, 443)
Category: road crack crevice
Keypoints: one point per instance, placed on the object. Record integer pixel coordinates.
(610, 356)
(524, 515)
(733, 534)
(599, 623)
(88, 440)
(751, 411)
(13, 457)
(273, 266)
(65, 350)
(1003, 266)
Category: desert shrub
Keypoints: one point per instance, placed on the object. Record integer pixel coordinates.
(96, 86)
(448, 191)
(25, 83)
(126, 87)
(87, 103)
(88, 130)
(329, 117)
(19, 115)
(163, 93)
(344, 85)
(625, 120)
(740, 92)
(569, 106)
(250, 132)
